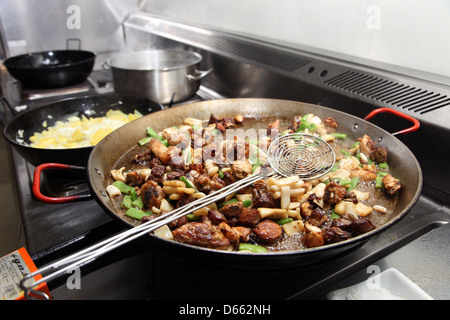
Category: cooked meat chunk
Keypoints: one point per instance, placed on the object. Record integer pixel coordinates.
(295, 123)
(157, 148)
(228, 178)
(317, 217)
(370, 149)
(244, 233)
(350, 197)
(235, 149)
(168, 156)
(134, 178)
(232, 222)
(241, 169)
(217, 183)
(260, 185)
(177, 223)
(379, 154)
(230, 233)
(175, 137)
(202, 182)
(313, 236)
(335, 234)
(361, 225)
(330, 122)
(228, 123)
(184, 200)
(144, 157)
(268, 231)
(154, 162)
(220, 127)
(176, 159)
(273, 129)
(343, 224)
(222, 123)
(249, 217)
(262, 199)
(211, 152)
(152, 194)
(366, 145)
(213, 119)
(174, 175)
(334, 193)
(232, 210)
(348, 164)
(216, 217)
(246, 190)
(157, 173)
(201, 234)
(197, 167)
(391, 184)
(148, 218)
(365, 174)
(206, 184)
(306, 209)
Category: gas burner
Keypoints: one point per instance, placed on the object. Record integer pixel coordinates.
(63, 184)
(98, 79)
(35, 94)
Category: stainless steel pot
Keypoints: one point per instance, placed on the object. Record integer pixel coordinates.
(161, 75)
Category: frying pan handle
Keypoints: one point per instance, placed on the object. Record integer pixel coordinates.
(416, 123)
(55, 200)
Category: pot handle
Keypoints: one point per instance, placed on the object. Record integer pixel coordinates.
(200, 75)
(415, 122)
(55, 200)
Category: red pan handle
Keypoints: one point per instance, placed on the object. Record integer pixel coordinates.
(416, 123)
(37, 183)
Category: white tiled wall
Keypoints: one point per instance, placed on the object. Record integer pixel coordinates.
(409, 33)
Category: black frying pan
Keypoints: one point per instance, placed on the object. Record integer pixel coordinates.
(402, 162)
(51, 69)
(23, 125)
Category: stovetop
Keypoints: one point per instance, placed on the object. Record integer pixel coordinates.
(55, 231)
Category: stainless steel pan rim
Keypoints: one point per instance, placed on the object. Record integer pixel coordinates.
(260, 107)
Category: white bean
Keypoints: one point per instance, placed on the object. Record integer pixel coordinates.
(379, 208)
(363, 158)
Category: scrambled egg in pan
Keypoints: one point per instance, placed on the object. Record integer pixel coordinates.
(79, 132)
